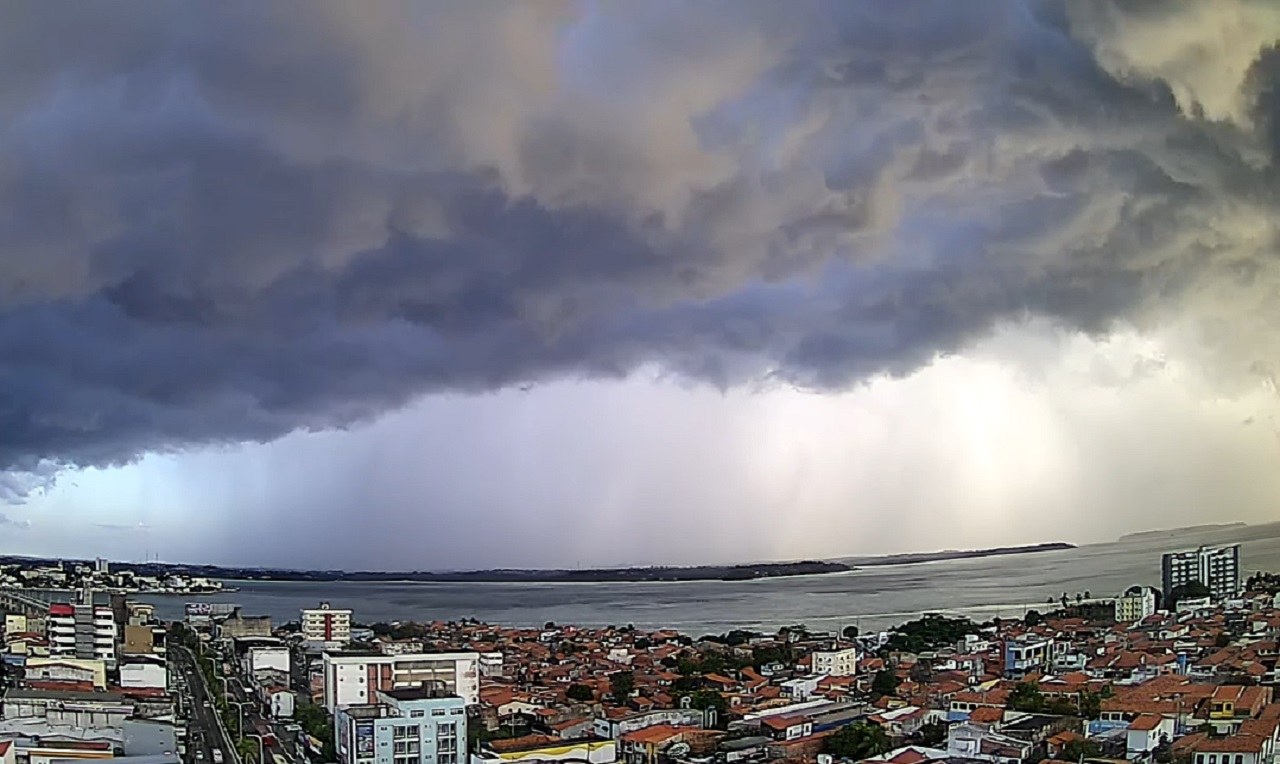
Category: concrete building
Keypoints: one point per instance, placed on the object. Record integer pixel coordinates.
(15, 623)
(1026, 655)
(326, 626)
(840, 661)
(138, 640)
(408, 726)
(82, 631)
(1218, 568)
(237, 626)
(355, 678)
(265, 659)
(144, 672)
(1136, 603)
(65, 669)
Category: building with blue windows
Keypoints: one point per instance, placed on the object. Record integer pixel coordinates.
(420, 725)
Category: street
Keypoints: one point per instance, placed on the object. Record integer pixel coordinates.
(203, 733)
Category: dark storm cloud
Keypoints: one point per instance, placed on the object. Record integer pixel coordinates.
(227, 222)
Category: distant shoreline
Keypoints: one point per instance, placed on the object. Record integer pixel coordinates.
(652, 574)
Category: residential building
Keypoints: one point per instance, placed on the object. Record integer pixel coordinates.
(1218, 568)
(1145, 733)
(1136, 603)
(1235, 749)
(237, 626)
(355, 678)
(67, 669)
(14, 623)
(326, 625)
(409, 726)
(838, 661)
(82, 631)
(1026, 654)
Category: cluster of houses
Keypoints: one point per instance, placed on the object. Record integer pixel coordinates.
(1193, 686)
(86, 681)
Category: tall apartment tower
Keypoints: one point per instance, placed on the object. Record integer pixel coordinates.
(326, 626)
(1218, 568)
(82, 631)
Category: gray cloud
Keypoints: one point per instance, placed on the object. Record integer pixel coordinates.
(229, 222)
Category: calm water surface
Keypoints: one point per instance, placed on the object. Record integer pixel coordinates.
(872, 597)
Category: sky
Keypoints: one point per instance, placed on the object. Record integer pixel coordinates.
(467, 285)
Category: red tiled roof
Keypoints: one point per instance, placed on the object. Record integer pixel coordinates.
(986, 715)
(1233, 744)
(909, 756)
(655, 734)
(1146, 723)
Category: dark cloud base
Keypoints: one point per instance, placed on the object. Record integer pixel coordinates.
(223, 225)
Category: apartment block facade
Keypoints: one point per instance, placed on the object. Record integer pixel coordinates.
(82, 631)
(1218, 568)
(356, 678)
(408, 726)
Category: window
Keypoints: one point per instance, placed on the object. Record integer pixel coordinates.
(405, 732)
(416, 713)
(457, 712)
(437, 712)
(407, 747)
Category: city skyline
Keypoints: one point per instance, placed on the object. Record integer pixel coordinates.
(476, 285)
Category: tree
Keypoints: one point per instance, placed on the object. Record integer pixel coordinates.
(885, 682)
(704, 699)
(850, 632)
(1188, 591)
(1222, 639)
(1033, 618)
(1090, 705)
(931, 735)
(621, 683)
(580, 693)
(858, 741)
(1075, 750)
(1026, 696)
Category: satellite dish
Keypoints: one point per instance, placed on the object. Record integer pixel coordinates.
(678, 749)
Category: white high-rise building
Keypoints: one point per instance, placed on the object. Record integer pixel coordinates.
(82, 631)
(1218, 568)
(326, 626)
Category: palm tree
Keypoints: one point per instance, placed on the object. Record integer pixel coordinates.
(858, 741)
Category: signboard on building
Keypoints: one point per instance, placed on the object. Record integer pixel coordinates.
(364, 740)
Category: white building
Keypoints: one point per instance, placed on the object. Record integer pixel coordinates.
(1136, 603)
(491, 664)
(1146, 733)
(262, 658)
(144, 674)
(801, 688)
(1218, 568)
(82, 631)
(837, 662)
(282, 702)
(354, 678)
(326, 626)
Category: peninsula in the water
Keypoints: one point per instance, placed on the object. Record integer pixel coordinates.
(635, 574)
